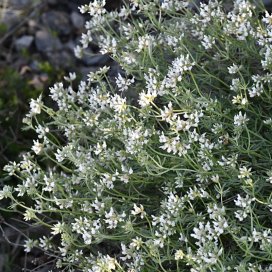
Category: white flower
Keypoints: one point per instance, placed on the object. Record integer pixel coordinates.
(145, 42)
(36, 106)
(240, 119)
(241, 215)
(267, 19)
(41, 131)
(174, 145)
(179, 255)
(126, 174)
(203, 233)
(208, 42)
(71, 77)
(118, 103)
(243, 202)
(100, 147)
(57, 91)
(86, 39)
(45, 243)
(49, 183)
(108, 180)
(267, 61)
(179, 66)
(29, 214)
(112, 218)
(108, 45)
(60, 155)
(168, 113)
(268, 121)
(6, 192)
(174, 4)
(244, 172)
(239, 99)
(123, 83)
(57, 228)
(136, 243)
(104, 264)
(269, 179)
(235, 84)
(239, 20)
(146, 98)
(233, 69)
(78, 52)
(138, 210)
(11, 168)
(29, 244)
(37, 147)
(95, 8)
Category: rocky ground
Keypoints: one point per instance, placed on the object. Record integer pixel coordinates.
(45, 30)
(37, 38)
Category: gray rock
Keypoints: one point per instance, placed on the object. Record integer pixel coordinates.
(24, 42)
(115, 69)
(267, 4)
(20, 4)
(45, 268)
(61, 59)
(70, 45)
(3, 259)
(52, 2)
(57, 21)
(95, 60)
(46, 42)
(77, 20)
(11, 18)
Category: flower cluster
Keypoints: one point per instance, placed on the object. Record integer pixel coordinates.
(165, 166)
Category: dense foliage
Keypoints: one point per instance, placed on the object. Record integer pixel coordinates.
(169, 167)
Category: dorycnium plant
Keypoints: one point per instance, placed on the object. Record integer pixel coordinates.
(167, 166)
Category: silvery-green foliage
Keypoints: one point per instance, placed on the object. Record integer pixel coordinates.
(178, 179)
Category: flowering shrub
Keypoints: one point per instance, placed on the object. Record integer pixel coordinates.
(176, 179)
